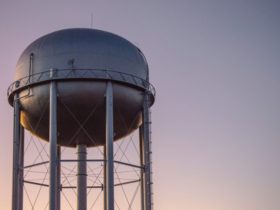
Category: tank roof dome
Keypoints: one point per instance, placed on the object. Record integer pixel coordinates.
(82, 48)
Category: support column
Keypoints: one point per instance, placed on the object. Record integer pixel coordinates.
(58, 180)
(142, 164)
(82, 178)
(21, 168)
(146, 154)
(16, 143)
(104, 179)
(109, 148)
(53, 144)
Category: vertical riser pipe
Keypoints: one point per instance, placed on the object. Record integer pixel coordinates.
(82, 178)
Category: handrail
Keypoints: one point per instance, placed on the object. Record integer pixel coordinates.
(79, 74)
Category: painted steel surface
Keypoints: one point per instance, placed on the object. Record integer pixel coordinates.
(81, 102)
(82, 49)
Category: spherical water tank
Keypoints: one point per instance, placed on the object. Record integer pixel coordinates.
(81, 61)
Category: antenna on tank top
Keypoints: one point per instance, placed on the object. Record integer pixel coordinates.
(91, 20)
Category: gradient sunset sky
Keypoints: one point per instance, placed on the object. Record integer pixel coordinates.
(216, 68)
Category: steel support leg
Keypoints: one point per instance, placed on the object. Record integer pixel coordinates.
(58, 180)
(142, 164)
(16, 144)
(82, 177)
(53, 146)
(146, 150)
(105, 178)
(109, 148)
(21, 169)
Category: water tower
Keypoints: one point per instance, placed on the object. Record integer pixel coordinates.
(96, 88)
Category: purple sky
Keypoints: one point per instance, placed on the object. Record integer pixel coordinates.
(216, 67)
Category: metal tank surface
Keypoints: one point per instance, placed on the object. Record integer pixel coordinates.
(81, 61)
(82, 88)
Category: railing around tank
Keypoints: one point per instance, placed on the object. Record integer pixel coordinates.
(79, 74)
